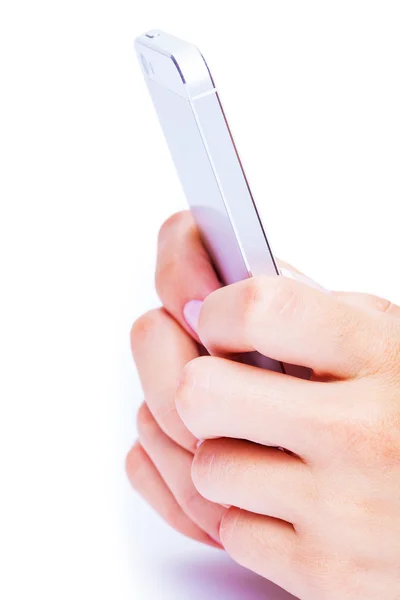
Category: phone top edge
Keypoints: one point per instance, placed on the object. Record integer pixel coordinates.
(174, 64)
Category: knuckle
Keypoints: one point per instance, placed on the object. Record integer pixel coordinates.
(191, 374)
(206, 463)
(382, 346)
(382, 436)
(144, 325)
(382, 349)
(251, 297)
(195, 372)
(134, 463)
(381, 304)
(144, 420)
(194, 382)
(390, 351)
(345, 326)
(198, 472)
(253, 303)
(316, 569)
(184, 390)
(228, 531)
(374, 434)
(351, 433)
(285, 298)
(278, 295)
(206, 318)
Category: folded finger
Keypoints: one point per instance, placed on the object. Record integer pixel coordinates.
(161, 349)
(217, 398)
(174, 465)
(294, 323)
(262, 480)
(147, 481)
(265, 545)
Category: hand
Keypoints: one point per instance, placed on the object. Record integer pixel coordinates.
(321, 519)
(184, 277)
(159, 464)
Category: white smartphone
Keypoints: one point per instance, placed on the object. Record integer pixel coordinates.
(205, 156)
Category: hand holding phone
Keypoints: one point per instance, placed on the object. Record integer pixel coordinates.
(205, 156)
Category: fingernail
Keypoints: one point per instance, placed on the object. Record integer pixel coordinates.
(303, 279)
(191, 312)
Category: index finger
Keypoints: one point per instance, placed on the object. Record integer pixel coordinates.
(294, 323)
(184, 271)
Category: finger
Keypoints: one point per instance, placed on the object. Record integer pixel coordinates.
(369, 302)
(161, 349)
(174, 465)
(294, 323)
(146, 480)
(219, 398)
(265, 545)
(361, 300)
(184, 271)
(262, 480)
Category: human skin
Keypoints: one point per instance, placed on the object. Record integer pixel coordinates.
(321, 519)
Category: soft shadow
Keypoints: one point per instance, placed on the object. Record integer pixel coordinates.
(220, 578)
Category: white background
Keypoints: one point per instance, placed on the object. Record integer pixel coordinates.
(312, 92)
